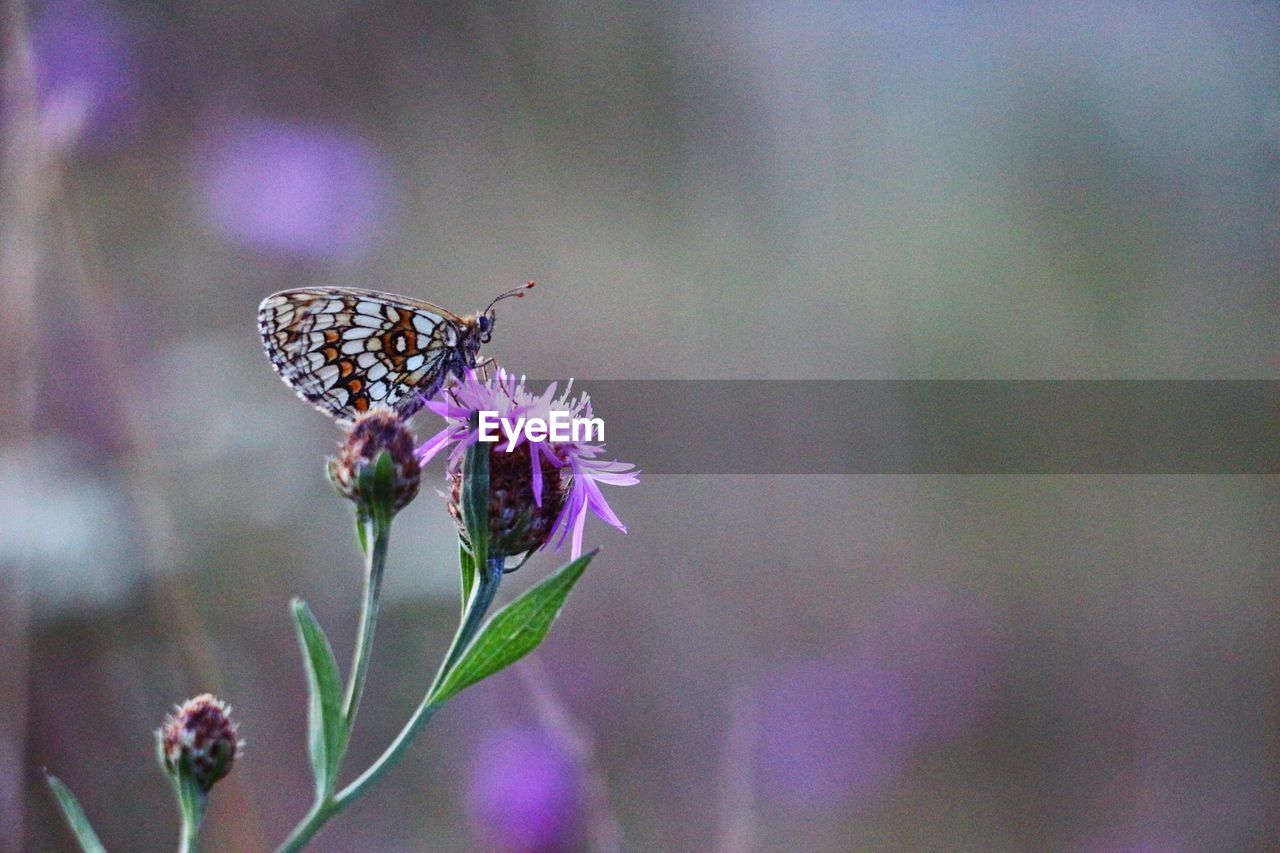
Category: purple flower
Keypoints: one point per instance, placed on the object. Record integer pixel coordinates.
(924, 670)
(304, 190)
(85, 69)
(578, 462)
(524, 792)
(851, 743)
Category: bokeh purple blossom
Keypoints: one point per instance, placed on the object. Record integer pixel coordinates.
(85, 56)
(303, 190)
(840, 729)
(524, 793)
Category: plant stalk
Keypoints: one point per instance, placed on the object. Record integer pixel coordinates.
(320, 812)
(482, 598)
(379, 534)
(191, 805)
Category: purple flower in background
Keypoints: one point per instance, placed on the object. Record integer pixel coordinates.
(84, 60)
(829, 730)
(306, 190)
(844, 727)
(578, 461)
(524, 792)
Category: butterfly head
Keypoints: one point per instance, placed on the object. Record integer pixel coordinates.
(484, 327)
(485, 320)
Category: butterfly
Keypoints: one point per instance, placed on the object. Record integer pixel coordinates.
(345, 350)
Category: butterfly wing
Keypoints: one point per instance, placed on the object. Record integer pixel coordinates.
(346, 350)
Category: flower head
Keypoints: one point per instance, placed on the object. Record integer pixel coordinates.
(199, 739)
(520, 521)
(550, 484)
(351, 471)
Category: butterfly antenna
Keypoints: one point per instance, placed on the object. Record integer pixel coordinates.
(516, 292)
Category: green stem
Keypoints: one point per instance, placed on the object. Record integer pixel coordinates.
(190, 835)
(309, 826)
(379, 534)
(191, 804)
(375, 535)
(481, 600)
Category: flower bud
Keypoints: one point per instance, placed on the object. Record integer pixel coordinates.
(352, 471)
(517, 524)
(199, 740)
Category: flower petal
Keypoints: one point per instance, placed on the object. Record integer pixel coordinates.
(434, 445)
(575, 549)
(601, 507)
(536, 459)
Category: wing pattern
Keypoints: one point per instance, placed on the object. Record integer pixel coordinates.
(346, 350)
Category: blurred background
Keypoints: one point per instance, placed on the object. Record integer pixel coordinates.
(703, 190)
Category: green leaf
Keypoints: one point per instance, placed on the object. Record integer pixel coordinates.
(474, 502)
(514, 631)
(468, 567)
(75, 815)
(362, 534)
(327, 733)
(377, 485)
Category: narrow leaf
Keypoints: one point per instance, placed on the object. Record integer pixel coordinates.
(468, 566)
(514, 631)
(362, 534)
(326, 732)
(75, 815)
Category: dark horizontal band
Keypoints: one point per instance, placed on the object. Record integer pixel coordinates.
(941, 427)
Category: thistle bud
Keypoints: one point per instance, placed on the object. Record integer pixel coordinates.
(517, 524)
(199, 741)
(354, 471)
